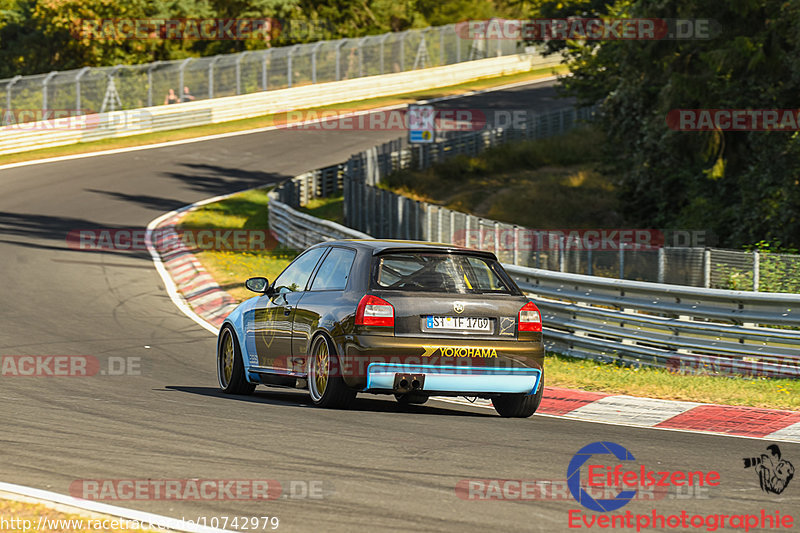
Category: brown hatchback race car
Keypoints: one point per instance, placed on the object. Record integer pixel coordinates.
(406, 318)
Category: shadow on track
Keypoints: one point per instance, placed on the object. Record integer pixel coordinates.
(299, 398)
(214, 180)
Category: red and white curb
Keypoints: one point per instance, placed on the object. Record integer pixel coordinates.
(70, 505)
(751, 422)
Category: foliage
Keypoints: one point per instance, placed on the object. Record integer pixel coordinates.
(742, 186)
(38, 36)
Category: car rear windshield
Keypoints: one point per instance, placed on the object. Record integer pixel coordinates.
(439, 272)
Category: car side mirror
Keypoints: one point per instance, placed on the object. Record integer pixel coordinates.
(259, 285)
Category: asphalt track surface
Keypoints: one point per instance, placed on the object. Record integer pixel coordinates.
(383, 467)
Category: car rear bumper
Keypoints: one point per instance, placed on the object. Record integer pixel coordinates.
(449, 365)
(455, 379)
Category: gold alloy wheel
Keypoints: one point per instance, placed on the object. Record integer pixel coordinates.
(320, 370)
(227, 359)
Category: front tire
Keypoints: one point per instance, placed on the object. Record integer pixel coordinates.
(519, 405)
(325, 383)
(230, 367)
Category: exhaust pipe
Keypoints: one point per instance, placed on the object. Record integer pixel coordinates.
(404, 383)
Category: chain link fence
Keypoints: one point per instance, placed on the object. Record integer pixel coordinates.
(93, 89)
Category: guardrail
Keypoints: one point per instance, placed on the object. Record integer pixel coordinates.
(300, 230)
(73, 130)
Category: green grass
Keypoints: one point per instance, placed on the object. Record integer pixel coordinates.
(331, 208)
(271, 120)
(543, 184)
(247, 210)
(658, 383)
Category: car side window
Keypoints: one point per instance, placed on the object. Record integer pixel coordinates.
(334, 271)
(295, 277)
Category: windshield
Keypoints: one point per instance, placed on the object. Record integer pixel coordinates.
(439, 272)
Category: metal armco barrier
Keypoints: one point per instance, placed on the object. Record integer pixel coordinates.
(668, 326)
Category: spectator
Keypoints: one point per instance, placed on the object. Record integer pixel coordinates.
(187, 96)
(171, 98)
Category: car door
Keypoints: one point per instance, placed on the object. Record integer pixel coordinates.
(324, 298)
(274, 312)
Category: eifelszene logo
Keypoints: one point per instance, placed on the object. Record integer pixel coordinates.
(774, 473)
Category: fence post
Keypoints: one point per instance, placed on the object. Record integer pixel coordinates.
(403, 51)
(440, 233)
(452, 226)
(289, 57)
(756, 270)
(339, 59)
(264, 69)
(562, 255)
(150, 69)
(496, 238)
(180, 77)
(662, 264)
(589, 265)
(383, 40)
(516, 245)
(239, 72)
(622, 260)
(314, 61)
(429, 222)
(78, 77)
(11, 84)
(707, 268)
(45, 83)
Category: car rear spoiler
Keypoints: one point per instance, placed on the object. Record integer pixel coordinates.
(431, 249)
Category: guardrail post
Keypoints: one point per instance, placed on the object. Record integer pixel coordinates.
(440, 234)
(452, 226)
(562, 255)
(662, 264)
(756, 270)
(622, 260)
(707, 268)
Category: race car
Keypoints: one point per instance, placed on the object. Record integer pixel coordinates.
(407, 318)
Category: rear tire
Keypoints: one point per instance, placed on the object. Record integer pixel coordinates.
(519, 405)
(230, 367)
(325, 383)
(411, 398)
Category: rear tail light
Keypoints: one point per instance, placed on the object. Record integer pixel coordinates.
(374, 311)
(529, 318)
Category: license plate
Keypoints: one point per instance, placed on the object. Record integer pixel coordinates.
(459, 323)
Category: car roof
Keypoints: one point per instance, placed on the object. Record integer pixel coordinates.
(389, 245)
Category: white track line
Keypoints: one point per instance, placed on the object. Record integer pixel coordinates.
(145, 519)
(263, 129)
